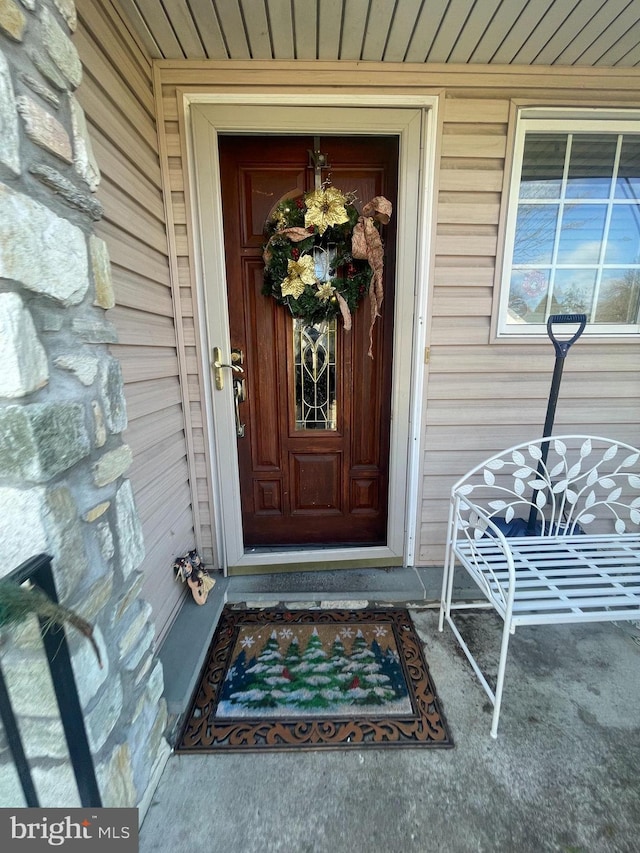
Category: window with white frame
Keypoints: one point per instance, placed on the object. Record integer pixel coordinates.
(573, 231)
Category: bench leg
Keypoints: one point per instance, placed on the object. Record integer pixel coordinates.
(507, 630)
(447, 588)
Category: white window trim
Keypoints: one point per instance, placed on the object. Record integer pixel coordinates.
(564, 120)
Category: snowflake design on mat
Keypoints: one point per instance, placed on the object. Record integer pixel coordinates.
(247, 642)
(380, 631)
(286, 633)
(346, 633)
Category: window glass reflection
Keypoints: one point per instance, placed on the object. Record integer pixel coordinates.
(581, 233)
(623, 242)
(543, 165)
(535, 233)
(628, 181)
(591, 166)
(619, 299)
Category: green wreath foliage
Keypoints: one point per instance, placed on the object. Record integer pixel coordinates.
(348, 275)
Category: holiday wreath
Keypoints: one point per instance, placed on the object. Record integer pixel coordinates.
(322, 256)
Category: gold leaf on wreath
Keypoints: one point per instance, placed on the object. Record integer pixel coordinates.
(299, 274)
(325, 292)
(325, 208)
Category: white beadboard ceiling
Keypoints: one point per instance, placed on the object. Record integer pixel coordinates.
(603, 33)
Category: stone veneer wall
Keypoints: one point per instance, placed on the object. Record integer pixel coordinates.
(62, 412)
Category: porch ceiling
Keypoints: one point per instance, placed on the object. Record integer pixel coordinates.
(603, 33)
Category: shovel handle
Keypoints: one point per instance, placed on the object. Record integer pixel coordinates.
(562, 347)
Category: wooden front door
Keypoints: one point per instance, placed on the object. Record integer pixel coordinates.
(306, 480)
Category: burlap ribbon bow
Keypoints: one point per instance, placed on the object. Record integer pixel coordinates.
(367, 245)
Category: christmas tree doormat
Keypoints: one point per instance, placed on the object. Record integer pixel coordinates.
(311, 679)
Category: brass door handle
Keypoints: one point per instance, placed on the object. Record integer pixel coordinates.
(237, 357)
(239, 396)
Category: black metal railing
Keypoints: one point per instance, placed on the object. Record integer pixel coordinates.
(38, 571)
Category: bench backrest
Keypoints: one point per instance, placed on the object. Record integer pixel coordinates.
(575, 484)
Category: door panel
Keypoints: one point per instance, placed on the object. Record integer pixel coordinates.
(307, 486)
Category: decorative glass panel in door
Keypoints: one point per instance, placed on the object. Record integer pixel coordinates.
(314, 350)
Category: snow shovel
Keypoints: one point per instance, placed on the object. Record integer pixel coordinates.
(562, 348)
(518, 526)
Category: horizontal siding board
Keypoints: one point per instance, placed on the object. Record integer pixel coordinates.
(491, 82)
(152, 506)
(141, 363)
(485, 440)
(165, 524)
(469, 214)
(507, 411)
(124, 174)
(152, 397)
(445, 386)
(470, 180)
(151, 492)
(464, 145)
(136, 291)
(462, 302)
(130, 89)
(131, 217)
(105, 25)
(131, 132)
(528, 358)
(128, 252)
(451, 244)
(149, 430)
(472, 331)
(138, 328)
(467, 276)
(164, 549)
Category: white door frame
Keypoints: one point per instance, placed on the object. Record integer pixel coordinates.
(412, 118)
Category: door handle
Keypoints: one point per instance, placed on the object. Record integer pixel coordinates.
(239, 396)
(237, 358)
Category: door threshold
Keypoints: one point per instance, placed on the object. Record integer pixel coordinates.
(315, 559)
(305, 549)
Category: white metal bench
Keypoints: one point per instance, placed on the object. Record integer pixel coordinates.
(576, 556)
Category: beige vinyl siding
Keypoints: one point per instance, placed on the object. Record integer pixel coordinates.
(482, 397)
(117, 96)
(172, 147)
(479, 396)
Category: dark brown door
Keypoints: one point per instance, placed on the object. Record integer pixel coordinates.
(307, 483)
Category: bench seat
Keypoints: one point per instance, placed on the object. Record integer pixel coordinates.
(564, 579)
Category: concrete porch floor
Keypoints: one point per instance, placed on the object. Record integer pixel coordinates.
(563, 775)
